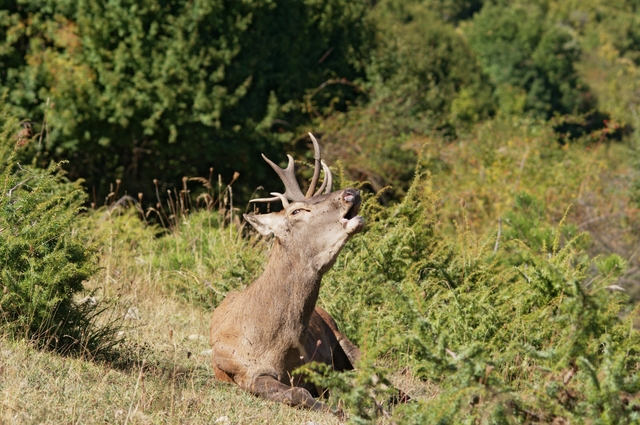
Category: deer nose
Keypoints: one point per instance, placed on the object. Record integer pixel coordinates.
(351, 195)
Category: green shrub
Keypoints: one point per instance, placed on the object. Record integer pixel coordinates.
(373, 146)
(424, 82)
(529, 332)
(423, 69)
(44, 258)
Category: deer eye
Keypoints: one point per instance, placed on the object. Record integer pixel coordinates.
(295, 212)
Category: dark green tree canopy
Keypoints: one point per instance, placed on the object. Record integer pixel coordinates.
(161, 89)
(424, 67)
(530, 58)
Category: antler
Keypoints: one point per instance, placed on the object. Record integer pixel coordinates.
(288, 177)
(316, 167)
(292, 188)
(327, 182)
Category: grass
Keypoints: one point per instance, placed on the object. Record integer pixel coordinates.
(165, 286)
(170, 386)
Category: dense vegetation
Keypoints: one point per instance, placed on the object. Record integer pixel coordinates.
(518, 327)
(142, 90)
(496, 144)
(45, 258)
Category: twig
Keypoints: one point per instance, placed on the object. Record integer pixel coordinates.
(135, 391)
(121, 202)
(495, 248)
(251, 197)
(524, 158)
(343, 81)
(569, 375)
(44, 121)
(230, 210)
(602, 241)
(595, 219)
(326, 55)
(18, 185)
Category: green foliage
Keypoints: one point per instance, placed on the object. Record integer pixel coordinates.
(153, 89)
(424, 81)
(615, 21)
(452, 11)
(351, 137)
(198, 261)
(209, 260)
(366, 392)
(525, 323)
(361, 303)
(609, 35)
(529, 58)
(538, 341)
(424, 69)
(44, 258)
(456, 10)
(526, 223)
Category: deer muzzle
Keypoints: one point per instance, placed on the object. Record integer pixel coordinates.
(351, 221)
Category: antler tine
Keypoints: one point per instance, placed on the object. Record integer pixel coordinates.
(285, 203)
(276, 196)
(328, 177)
(316, 169)
(327, 182)
(274, 199)
(288, 177)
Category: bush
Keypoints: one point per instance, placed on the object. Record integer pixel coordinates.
(531, 331)
(371, 146)
(609, 33)
(424, 82)
(44, 257)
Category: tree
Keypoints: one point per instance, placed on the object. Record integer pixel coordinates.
(161, 89)
(423, 66)
(530, 59)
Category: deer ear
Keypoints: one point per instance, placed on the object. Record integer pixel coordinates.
(265, 223)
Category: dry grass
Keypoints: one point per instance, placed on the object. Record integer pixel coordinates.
(169, 387)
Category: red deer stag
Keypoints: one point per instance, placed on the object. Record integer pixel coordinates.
(260, 335)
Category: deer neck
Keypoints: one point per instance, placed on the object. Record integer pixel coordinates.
(290, 283)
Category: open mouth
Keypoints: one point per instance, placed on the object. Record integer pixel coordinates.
(351, 221)
(352, 212)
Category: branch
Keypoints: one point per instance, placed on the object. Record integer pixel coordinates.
(595, 219)
(495, 248)
(18, 185)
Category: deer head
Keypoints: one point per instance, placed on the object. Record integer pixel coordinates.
(317, 224)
